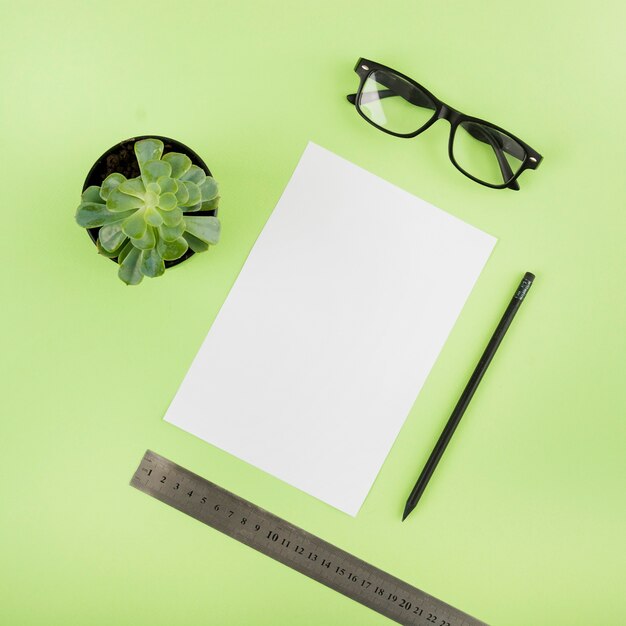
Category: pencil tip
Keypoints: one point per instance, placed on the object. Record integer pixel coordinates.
(407, 511)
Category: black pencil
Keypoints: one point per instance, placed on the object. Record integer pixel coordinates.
(467, 394)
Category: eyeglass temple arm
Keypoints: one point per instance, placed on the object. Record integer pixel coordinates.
(478, 132)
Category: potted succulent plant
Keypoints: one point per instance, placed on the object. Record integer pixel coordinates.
(147, 208)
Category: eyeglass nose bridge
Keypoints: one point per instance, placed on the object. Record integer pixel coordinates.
(448, 113)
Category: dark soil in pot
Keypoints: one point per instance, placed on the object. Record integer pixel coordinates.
(121, 158)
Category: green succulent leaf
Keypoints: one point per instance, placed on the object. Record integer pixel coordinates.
(167, 185)
(92, 215)
(111, 182)
(195, 196)
(211, 205)
(153, 217)
(119, 202)
(170, 233)
(133, 187)
(197, 245)
(173, 217)
(92, 194)
(111, 236)
(209, 189)
(193, 208)
(126, 248)
(148, 150)
(167, 201)
(153, 170)
(147, 241)
(135, 225)
(130, 267)
(182, 195)
(113, 253)
(152, 264)
(172, 250)
(206, 228)
(180, 163)
(194, 174)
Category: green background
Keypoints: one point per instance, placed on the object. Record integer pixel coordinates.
(523, 522)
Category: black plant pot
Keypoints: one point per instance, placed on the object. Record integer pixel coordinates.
(121, 158)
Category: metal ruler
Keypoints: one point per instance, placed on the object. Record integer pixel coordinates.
(296, 548)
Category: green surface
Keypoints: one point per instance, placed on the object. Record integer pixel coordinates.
(523, 522)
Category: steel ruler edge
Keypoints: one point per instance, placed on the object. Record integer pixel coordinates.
(298, 549)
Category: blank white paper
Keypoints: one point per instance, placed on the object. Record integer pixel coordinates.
(330, 330)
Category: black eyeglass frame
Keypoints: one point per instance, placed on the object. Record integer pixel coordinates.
(365, 68)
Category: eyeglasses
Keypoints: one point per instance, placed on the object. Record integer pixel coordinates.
(397, 105)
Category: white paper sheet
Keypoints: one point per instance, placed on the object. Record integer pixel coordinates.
(331, 329)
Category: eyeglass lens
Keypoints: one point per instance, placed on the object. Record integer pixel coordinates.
(486, 153)
(394, 104)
